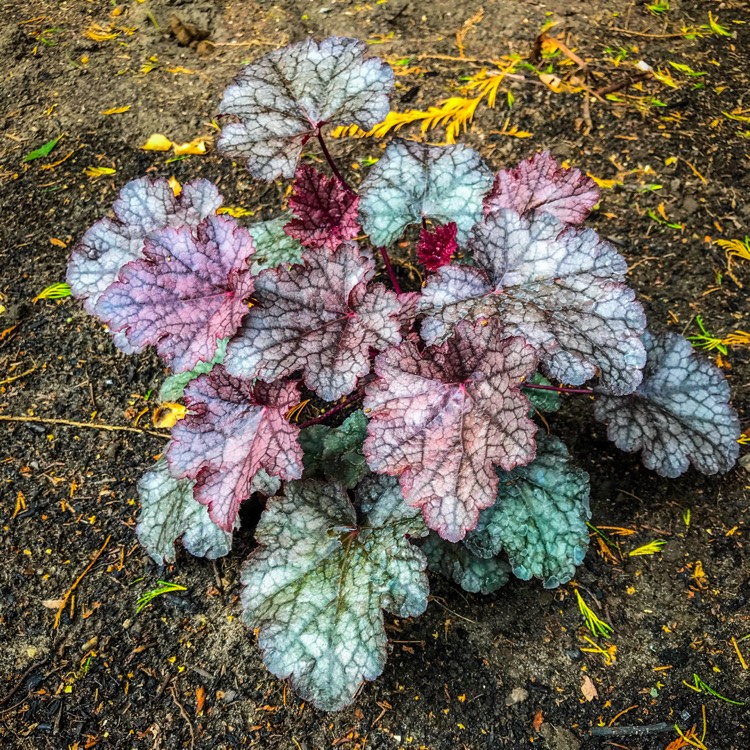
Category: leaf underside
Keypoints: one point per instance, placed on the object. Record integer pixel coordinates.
(317, 584)
(412, 181)
(472, 573)
(541, 185)
(539, 519)
(279, 101)
(141, 207)
(679, 415)
(443, 420)
(319, 317)
(168, 512)
(560, 289)
(187, 292)
(233, 430)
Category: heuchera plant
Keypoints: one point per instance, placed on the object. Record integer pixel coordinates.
(439, 461)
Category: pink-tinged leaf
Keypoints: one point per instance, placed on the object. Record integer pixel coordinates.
(435, 249)
(325, 210)
(189, 291)
(141, 207)
(319, 317)
(407, 316)
(233, 430)
(560, 288)
(443, 420)
(541, 185)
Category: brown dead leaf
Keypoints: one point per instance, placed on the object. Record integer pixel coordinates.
(589, 689)
(538, 720)
(52, 603)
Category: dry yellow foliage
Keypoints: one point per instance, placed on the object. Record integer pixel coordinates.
(157, 142)
(116, 110)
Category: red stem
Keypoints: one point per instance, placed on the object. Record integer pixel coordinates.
(331, 162)
(558, 389)
(348, 402)
(389, 268)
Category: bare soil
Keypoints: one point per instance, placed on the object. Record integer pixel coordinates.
(185, 672)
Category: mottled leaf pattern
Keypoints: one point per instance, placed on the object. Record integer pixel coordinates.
(168, 512)
(477, 575)
(318, 583)
(541, 185)
(173, 388)
(561, 289)
(232, 430)
(679, 415)
(443, 420)
(436, 247)
(539, 518)
(273, 246)
(412, 181)
(335, 453)
(142, 207)
(187, 292)
(325, 210)
(281, 100)
(319, 317)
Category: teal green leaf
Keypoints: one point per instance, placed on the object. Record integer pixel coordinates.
(317, 584)
(173, 387)
(539, 518)
(272, 246)
(542, 400)
(335, 453)
(169, 511)
(472, 573)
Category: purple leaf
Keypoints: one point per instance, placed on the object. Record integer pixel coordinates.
(561, 289)
(189, 291)
(541, 185)
(232, 431)
(319, 317)
(435, 249)
(282, 99)
(326, 210)
(443, 420)
(142, 207)
(679, 414)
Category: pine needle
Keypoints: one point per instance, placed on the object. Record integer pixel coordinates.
(164, 587)
(701, 687)
(593, 623)
(54, 291)
(648, 549)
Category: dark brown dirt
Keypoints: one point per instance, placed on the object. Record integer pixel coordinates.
(107, 677)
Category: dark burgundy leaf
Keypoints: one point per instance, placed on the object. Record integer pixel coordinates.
(325, 210)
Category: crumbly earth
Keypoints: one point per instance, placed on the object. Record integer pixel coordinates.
(185, 672)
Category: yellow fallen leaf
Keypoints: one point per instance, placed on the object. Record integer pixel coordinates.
(116, 110)
(602, 183)
(195, 147)
(98, 33)
(168, 414)
(234, 211)
(180, 69)
(57, 243)
(157, 142)
(96, 172)
(175, 185)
